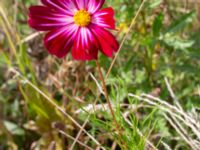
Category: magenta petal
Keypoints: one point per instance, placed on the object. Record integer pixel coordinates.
(81, 4)
(108, 43)
(43, 19)
(94, 5)
(85, 45)
(63, 6)
(59, 41)
(104, 18)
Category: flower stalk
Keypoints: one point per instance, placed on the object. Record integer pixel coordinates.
(107, 97)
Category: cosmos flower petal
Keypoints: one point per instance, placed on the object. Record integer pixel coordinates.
(94, 5)
(104, 18)
(59, 41)
(107, 41)
(43, 19)
(63, 6)
(81, 4)
(85, 45)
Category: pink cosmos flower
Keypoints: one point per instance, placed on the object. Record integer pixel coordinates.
(77, 25)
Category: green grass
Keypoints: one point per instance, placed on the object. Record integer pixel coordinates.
(153, 85)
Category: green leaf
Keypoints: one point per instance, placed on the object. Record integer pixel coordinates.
(155, 3)
(180, 23)
(13, 128)
(178, 43)
(158, 23)
(194, 54)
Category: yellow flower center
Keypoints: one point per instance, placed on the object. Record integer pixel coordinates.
(82, 18)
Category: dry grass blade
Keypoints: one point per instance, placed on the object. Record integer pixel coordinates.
(79, 133)
(72, 138)
(104, 107)
(183, 116)
(12, 46)
(55, 105)
(166, 146)
(5, 18)
(30, 37)
(172, 93)
(97, 83)
(125, 37)
(81, 130)
(177, 114)
(180, 133)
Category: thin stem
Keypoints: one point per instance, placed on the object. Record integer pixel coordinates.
(118, 127)
(105, 90)
(125, 37)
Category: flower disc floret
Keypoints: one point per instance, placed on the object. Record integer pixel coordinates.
(82, 18)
